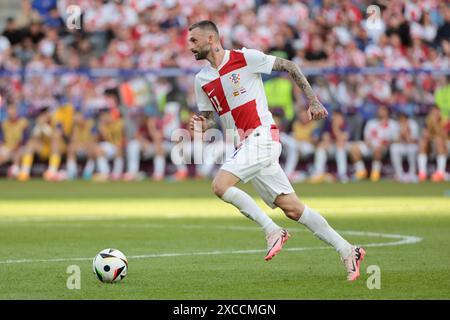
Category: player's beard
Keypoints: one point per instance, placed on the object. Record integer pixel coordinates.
(201, 54)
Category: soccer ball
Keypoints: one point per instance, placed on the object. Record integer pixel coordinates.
(110, 265)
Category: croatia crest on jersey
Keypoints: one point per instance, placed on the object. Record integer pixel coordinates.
(236, 80)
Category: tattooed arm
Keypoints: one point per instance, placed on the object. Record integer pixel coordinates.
(206, 118)
(316, 110)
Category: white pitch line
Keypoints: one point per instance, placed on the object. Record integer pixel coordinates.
(401, 240)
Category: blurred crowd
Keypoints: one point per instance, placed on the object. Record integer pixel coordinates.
(59, 100)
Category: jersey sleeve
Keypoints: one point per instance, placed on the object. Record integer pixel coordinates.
(203, 102)
(258, 62)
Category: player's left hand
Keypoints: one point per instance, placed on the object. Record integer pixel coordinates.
(197, 123)
(316, 110)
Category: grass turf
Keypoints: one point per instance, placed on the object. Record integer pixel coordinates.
(183, 243)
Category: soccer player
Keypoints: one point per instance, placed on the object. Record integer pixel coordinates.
(12, 135)
(334, 142)
(433, 135)
(405, 145)
(379, 133)
(231, 85)
(82, 145)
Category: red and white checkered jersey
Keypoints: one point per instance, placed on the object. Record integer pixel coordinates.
(381, 132)
(235, 90)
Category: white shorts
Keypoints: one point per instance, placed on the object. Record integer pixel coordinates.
(109, 149)
(256, 160)
(367, 152)
(402, 148)
(332, 149)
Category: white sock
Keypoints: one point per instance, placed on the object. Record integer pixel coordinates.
(89, 168)
(133, 156)
(248, 207)
(321, 229)
(103, 165)
(320, 161)
(341, 162)
(182, 168)
(422, 160)
(412, 152)
(292, 156)
(376, 165)
(441, 163)
(14, 169)
(359, 166)
(159, 164)
(71, 168)
(118, 166)
(396, 160)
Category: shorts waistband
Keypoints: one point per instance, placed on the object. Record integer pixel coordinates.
(274, 132)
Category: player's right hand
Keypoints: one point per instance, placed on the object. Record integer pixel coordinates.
(316, 110)
(197, 123)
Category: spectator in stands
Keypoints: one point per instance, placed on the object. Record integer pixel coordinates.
(301, 143)
(81, 145)
(433, 141)
(151, 34)
(13, 132)
(11, 32)
(379, 133)
(39, 142)
(405, 145)
(333, 143)
(110, 146)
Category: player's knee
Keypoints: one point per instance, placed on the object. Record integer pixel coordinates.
(354, 151)
(293, 210)
(395, 148)
(218, 188)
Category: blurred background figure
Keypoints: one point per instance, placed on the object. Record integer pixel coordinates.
(137, 49)
(148, 143)
(333, 143)
(379, 133)
(40, 142)
(405, 145)
(301, 143)
(82, 145)
(13, 131)
(433, 142)
(110, 146)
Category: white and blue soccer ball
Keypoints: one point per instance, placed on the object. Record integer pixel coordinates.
(110, 265)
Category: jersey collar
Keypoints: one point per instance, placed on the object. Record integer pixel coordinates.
(225, 59)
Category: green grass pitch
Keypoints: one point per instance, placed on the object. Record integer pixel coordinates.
(183, 243)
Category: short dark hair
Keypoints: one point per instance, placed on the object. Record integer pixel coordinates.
(205, 24)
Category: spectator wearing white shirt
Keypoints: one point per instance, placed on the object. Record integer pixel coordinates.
(405, 145)
(379, 133)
